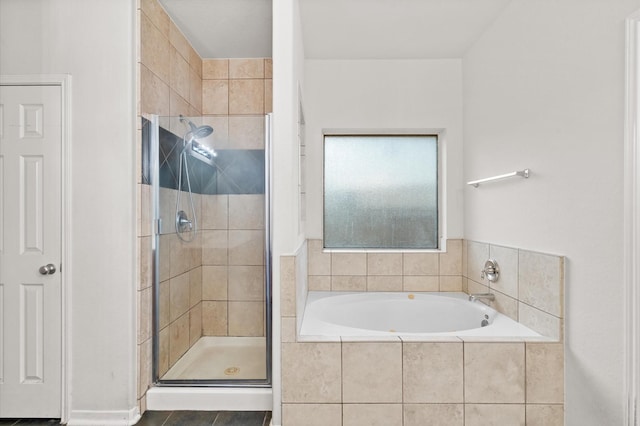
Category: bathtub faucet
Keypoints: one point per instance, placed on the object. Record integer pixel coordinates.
(482, 296)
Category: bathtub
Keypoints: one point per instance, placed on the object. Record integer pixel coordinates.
(372, 314)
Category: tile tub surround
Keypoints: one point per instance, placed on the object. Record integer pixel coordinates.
(405, 382)
(377, 271)
(530, 288)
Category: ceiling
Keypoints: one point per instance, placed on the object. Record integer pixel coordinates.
(339, 29)
(224, 28)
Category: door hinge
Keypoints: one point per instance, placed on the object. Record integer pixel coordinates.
(158, 226)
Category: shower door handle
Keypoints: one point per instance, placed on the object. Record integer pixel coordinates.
(49, 269)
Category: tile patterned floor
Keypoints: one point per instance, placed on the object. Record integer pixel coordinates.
(175, 418)
(205, 418)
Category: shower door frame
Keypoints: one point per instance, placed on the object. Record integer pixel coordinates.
(155, 247)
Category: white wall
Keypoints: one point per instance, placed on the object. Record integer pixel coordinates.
(384, 94)
(544, 89)
(93, 41)
(288, 74)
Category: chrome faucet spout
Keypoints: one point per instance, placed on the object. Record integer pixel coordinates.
(482, 296)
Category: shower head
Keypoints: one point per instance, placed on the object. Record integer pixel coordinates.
(197, 132)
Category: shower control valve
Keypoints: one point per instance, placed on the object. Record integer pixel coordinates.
(490, 271)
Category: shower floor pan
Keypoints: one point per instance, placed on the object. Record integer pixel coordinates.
(222, 358)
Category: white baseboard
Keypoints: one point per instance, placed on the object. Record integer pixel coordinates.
(104, 418)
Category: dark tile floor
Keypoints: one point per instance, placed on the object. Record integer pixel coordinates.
(205, 418)
(175, 418)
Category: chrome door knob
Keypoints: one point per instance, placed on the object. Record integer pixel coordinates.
(48, 269)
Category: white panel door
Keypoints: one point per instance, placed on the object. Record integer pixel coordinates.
(30, 239)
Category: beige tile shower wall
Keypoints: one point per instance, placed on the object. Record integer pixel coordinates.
(530, 287)
(402, 271)
(233, 265)
(411, 383)
(169, 83)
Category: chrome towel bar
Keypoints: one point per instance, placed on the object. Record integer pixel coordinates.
(524, 173)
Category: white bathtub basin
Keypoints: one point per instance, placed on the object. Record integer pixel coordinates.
(415, 314)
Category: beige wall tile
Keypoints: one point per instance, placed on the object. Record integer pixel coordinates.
(311, 414)
(179, 41)
(545, 415)
(384, 283)
(146, 263)
(545, 373)
(433, 415)
(195, 62)
(507, 259)
(287, 286)
(195, 286)
(195, 91)
(451, 261)
(246, 211)
(145, 210)
(246, 132)
(165, 304)
(195, 324)
(154, 93)
(214, 318)
(145, 364)
(246, 283)
(219, 139)
(288, 330)
(163, 353)
(246, 319)
(215, 69)
(319, 283)
(180, 260)
(450, 283)
(156, 14)
(432, 372)
(372, 414)
(372, 372)
(178, 106)
(505, 305)
(540, 280)
(349, 283)
(178, 338)
(246, 96)
(477, 255)
(475, 288)
(494, 415)
(539, 321)
(319, 262)
(494, 372)
(214, 212)
(214, 282)
(246, 247)
(246, 68)
(268, 68)
(313, 373)
(420, 263)
(464, 257)
(214, 247)
(421, 283)
(154, 49)
(165, 256)
(268, 96)
(179, 294)
(348, 263)
(144, 314)
(215, 97)
(179, 74)
(384, 264)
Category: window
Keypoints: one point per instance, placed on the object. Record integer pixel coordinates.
(381, 192)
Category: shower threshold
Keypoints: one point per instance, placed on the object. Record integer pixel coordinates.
(216, 358)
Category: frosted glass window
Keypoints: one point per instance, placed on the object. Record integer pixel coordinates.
(381, 192)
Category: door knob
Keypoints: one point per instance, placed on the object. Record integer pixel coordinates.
(48, 269)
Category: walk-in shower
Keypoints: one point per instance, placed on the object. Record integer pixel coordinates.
(211, 245)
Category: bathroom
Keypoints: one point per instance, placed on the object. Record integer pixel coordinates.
(530, 92)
